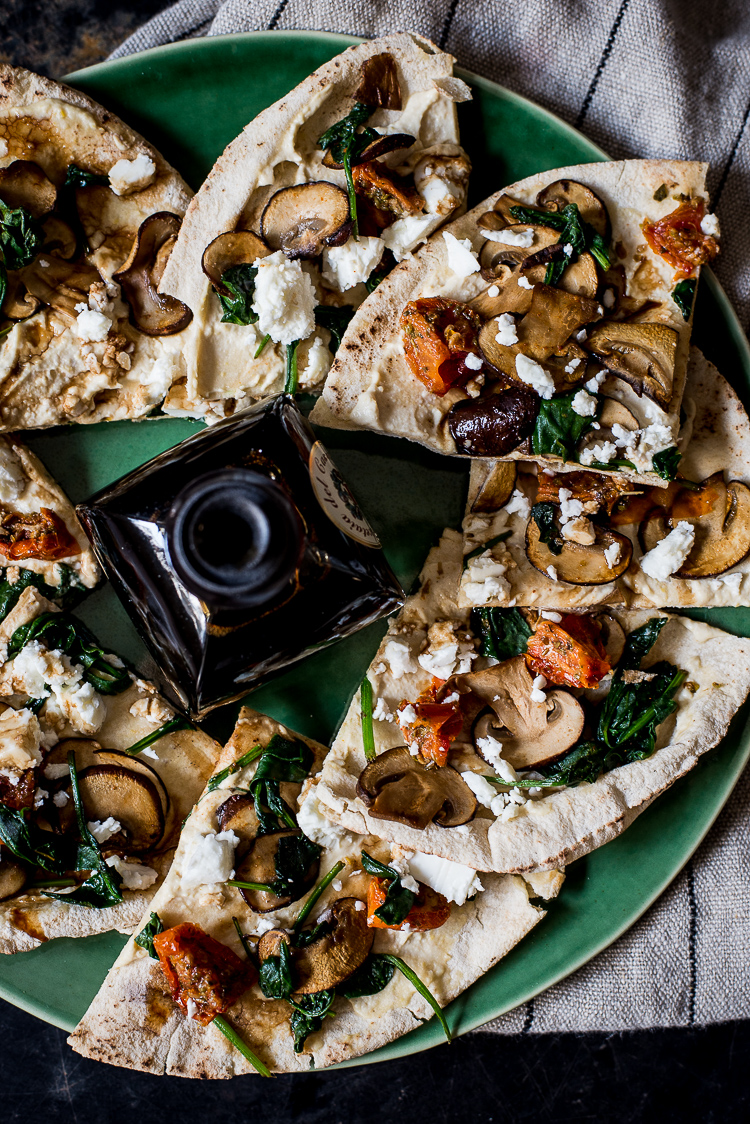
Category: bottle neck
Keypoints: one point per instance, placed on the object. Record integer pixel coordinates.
(234, 537)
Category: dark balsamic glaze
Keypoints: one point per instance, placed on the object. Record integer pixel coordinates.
(238, 552)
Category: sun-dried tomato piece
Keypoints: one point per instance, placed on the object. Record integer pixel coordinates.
(386, 190)
(202, 969)
(430, 910)
(568, 654)
(19, 795)
(678, 238)
(40, 534)
(435, 725)
(438, 334)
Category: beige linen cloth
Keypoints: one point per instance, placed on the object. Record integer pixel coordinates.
(659, 78)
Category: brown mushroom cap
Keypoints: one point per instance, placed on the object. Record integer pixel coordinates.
(259, 865)
(495, 253)
(237, 247)
(19, 303)
(389, 142)
(60, 284)
(576, 563)
(136, 765)
(24, 184)
(581, 278)
(302, 220)
(331, 959)
(270, 943)
(395, 786)
(720, 514)
(531, 733)
(130, 798)
(13, 874)
(496, 485)
(552, 319)
(152, 312)
(494, 424)
(641, 354)
(59, 238)
(379, 84)
(504, 294)
(237, 814)
(590, 207)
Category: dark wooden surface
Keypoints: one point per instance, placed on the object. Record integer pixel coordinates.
(661, 1076)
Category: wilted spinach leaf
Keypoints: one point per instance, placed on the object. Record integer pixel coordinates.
(345, 144)
(240, 280)
(64, 633)
(398, 899)
(666, 461)
(31, 844)
(21, 236)
(574, 232)
(369, 979)
(502, 632)
(275, 979)
(683, 296)
(558, 428)
(308, 1014)
(336, 319)
(67, 592)
(151, 929)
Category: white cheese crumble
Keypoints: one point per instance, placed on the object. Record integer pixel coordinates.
(454, 881)
(461, 258)
(524, 283)
(669, 554)
(535, 376)
(579, 530)
(480, 786)
(506, 330)
(446, 660)
(612, 554)
(398, 656)
(359, 906)
(483, 579)
(134, 876)
(314, 824)
(568, 250)
(518, 504)
(603, 453)
(552, 573)
(710, 225)
(285, 299)
(521, 238)
(192, 1008)
(211, 860)
(569, 508)
(473, 362)
(584, 404)
(407, 716)
(537, 689)
(351, 264)
(405, 234)
(596, 380)
(40, 796)
(381, 711)
(60, 799)
(549, 615)
(91, 326)
(493, 291)
(127, 176)
(573, 365)
(491, 750)
(642, 445)
(102, 830)
(608, 300)
(401, 865)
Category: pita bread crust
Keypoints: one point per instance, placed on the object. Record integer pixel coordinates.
(133, 1021)
(716, 437)
(371, 387)
(276, 149)
(556, 829)
(50, 383)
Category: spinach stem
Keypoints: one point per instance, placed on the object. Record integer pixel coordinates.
(246, 759)
(368, 737)
(176, 723)
(422, 988)
(238, 1044)
(263, 886)
(352, 196)
(242, 937)
(304, 913)
(53, 882)
(292, 375)
(261, 345)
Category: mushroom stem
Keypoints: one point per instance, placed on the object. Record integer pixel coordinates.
(230, 1033)
(422, 988)
(304, 913)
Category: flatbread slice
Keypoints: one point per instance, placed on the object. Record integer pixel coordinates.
(714, 443)
(403, 194)
(134, 1022)
(513, 349)
(74, 351)
(546, 827)
(137, 800)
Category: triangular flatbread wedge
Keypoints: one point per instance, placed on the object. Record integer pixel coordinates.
(479, 344)
(136, 801)
(272, 198)
(527, 724)
(599, 561)
(76, 185)
(134, 1021)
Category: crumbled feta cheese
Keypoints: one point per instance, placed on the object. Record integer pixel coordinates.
(337, 885)
(151, 708)
(569, 508)
(537, 689)
(407, 716)
(127, 176)
(549, 615)
(573, 365)
(524, 283)
(20, 740)
(351, 264)
(710, 225)
(285, 299)
(150, 752)
(612, 554)
(413, 748)
(381, 711)
(596, 380)
(521, 238)
(491, 750)
(211, 860)
(579, 530)
(493, 291)
(60, 799)
(102, 830)
(483, 581)
(518, 504)
(552, 573)
(603, 453)
(316, 365)
(404, 235)
(584, 404)
(263, 925)
(91, 326)
(480, 786)
(568, 250)
(398, 656)
(669, 554)
(453, 880)
(359, 906)
(192, 1008)
(608, 300)
(535, 376)
(473, 362)
(134, 875)
(313, 822)
(641, 445)
(581, 336)
(40, 796)
(462, 260)
(506, 330)
(401, 865)
(440, 198)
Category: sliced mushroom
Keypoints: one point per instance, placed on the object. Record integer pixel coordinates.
(259, 865)
(60, 284)
(495, 487)
(237, 814)
(495, 253)
(559, 194)
(603, 489)
(331, 959)
(578, 564)
(503, 207)
(304, 219)
(494, 424)
(379, 85)
(641, 354)
(389, 142)
(552, 319)
(720, 514)
(504, 294)
(136, 765)
(270, 943)
(152, 312)
(395, 786)
(531, 733)
(13, 874)
(24, 184)
(581, 278)
(129, 797)
(238, 247)
(59, 238)
(19, 303)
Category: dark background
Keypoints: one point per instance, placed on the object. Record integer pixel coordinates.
(664, 1075)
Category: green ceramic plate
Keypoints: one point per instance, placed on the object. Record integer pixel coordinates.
(191, 100)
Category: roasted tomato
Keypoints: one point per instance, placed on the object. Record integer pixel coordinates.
(385, 190)
(438, 334)
(203, 970)
(678, 238)
(588, 487)
(41, 534)
(430, 910)
(568, 654)
(632, 509)
(19, 795)
(435, 724)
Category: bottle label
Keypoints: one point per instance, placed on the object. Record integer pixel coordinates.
(336, 500)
